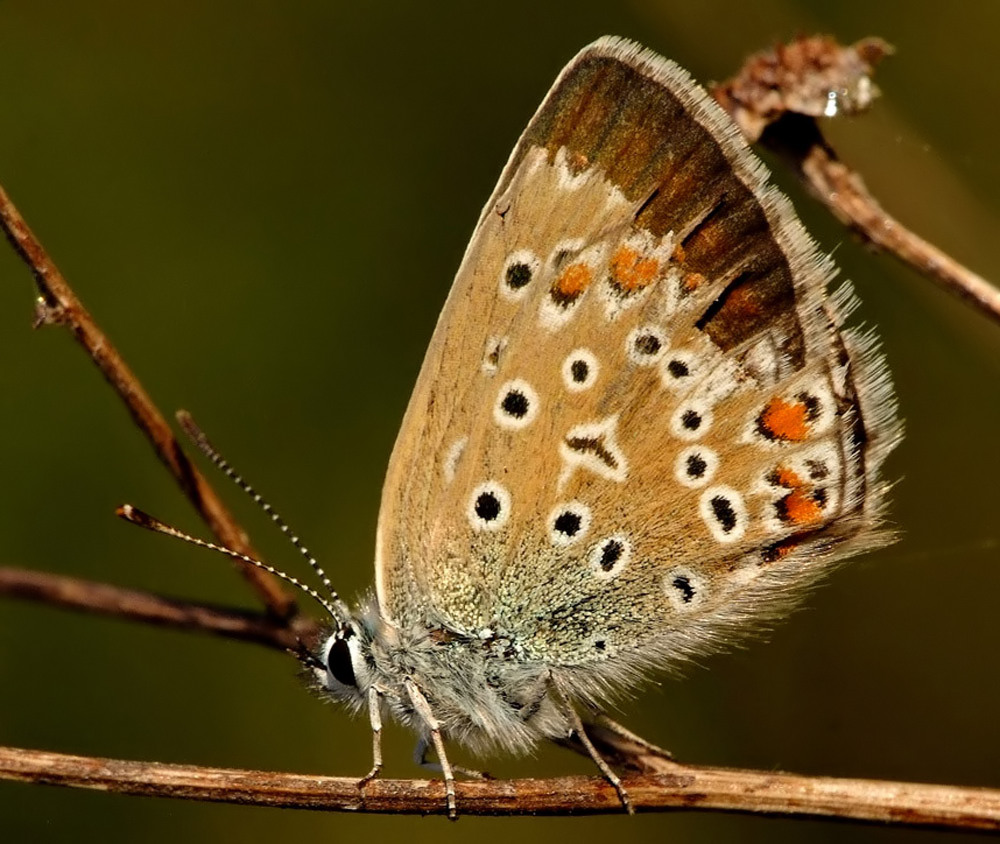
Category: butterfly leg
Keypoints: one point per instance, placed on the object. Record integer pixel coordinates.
(420, 757)
(423, 709)
(534, 699)
(612, 726)
(375, 716)
(581, 733)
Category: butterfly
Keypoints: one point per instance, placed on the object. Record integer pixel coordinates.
(639, 431)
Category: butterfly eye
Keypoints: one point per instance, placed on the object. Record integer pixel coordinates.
(340, 662)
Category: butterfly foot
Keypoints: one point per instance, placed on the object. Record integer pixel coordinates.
(372, 774)
(577, 728)
(471, 774)
(622, 792)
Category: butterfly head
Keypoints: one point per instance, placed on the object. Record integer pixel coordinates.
(342, 666)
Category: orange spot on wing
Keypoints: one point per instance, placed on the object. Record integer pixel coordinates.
(692, 281)
(785, 420)
(679, 254)
(574, 280)
(801, 508)
(785, 477)
(632, 272)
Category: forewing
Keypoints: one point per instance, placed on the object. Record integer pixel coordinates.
(638, 424)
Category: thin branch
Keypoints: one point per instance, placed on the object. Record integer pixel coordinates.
(776, 98)
(658, 783)
(845, 193)
(685, 787)
(138, 605)
(58, 304)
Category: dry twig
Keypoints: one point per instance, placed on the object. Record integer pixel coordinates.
(59, 305)
(145, 607)
(776, 98)
(683, 787)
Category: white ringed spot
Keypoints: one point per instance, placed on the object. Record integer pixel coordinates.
(691, 420)
(646, 345)
(519, 270)
(609, 557)
(489, 507)
(516, 405)
(724, 512)
(569, 522)
(679, 370)
(695, 466)
(593, 446)
(580, 370)
(684, 589)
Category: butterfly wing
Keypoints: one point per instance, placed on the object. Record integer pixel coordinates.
(638, 425)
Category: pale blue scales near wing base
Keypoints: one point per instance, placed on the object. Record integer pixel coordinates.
(639, 431)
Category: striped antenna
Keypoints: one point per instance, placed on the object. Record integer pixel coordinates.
(205, 447)
(144, 520)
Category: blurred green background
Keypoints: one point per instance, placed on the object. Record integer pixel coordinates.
(263, 204)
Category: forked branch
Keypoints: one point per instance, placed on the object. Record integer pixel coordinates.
(57, 304)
